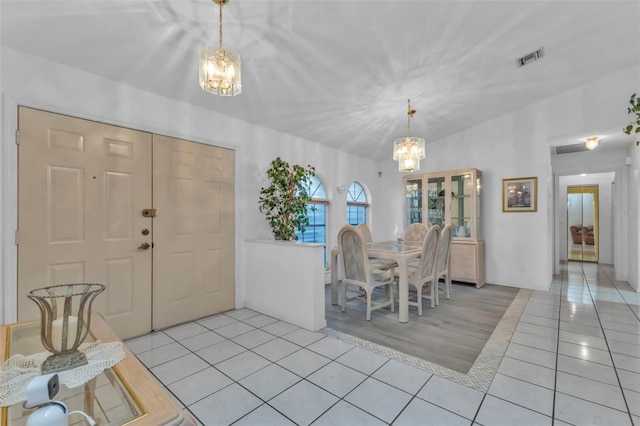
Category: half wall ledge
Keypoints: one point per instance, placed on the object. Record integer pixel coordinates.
(285, 280)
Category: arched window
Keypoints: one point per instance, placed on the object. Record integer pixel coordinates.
(317, 229)
(356, 205)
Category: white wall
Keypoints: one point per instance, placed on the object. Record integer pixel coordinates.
(632, 215)
(286, 282)
(605, 212)
(519, 247)
(507, 147)
(34, 82)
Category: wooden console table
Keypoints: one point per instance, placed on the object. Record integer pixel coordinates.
(124, 394)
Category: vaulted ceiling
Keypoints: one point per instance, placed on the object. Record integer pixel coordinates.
(340, 72)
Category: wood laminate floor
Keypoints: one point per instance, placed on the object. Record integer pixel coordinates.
(451, 335)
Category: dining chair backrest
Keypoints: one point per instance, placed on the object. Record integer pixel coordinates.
(384, 264)
(354, 253)
(365, 231)
(444, 249)
(358, 272)
(426, 266)
(443, 260)
(415, 232)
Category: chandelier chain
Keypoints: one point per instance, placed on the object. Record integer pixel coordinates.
(410, 113)
(409, 118)
(219, 72)
(220, 24)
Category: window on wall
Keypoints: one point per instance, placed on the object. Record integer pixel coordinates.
(356, 205)
(316, 231)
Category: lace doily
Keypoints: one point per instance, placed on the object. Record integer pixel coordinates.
(17, 371)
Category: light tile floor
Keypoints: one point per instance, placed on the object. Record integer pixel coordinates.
(574, 358)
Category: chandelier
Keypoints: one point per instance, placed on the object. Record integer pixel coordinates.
(592, 142)
(220, 67)
(410, 150)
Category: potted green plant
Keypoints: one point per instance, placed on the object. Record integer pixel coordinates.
(284, 201)
(635, 122)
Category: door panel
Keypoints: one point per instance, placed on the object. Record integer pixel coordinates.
(81, 188)
(193, 232)
(66, 190)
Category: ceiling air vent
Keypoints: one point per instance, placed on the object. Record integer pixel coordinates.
(531, 57)
(569, 149)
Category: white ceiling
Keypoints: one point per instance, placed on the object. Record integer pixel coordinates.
(340, 72)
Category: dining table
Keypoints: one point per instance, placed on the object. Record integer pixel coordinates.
(399, 250)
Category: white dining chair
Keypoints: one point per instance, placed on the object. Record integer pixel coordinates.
(443, 262)
(423, 277)
(415, 232)
(365, 231)
(359, 272)
(378, 263)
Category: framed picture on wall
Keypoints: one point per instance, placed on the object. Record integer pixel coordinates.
(520, 195)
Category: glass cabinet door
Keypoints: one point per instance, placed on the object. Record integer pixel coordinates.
(461, 205)
(448, 197)
(436, 201)
(413, 191)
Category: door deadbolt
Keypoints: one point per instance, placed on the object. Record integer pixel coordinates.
(145, 231)
(144, 246)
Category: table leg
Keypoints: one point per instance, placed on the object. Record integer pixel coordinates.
(403, 290)
(334, 276)
(90, 398)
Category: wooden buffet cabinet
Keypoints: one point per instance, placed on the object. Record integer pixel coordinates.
(427, 202)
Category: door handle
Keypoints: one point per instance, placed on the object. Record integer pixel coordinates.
(144, 246)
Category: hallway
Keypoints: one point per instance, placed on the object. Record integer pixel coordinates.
(574, 358)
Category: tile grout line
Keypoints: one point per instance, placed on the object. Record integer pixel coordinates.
(367, 376)
(266, 402)
(613, 281)
(224, 374)
(564, 291)
(606, 341)
(585, 284)
(555, 379)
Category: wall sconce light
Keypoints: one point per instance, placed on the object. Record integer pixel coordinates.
(341, 189)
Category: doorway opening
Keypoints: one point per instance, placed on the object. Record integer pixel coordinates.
(583, 223)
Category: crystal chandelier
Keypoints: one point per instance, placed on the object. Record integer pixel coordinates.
(220, 67)
(410, 150)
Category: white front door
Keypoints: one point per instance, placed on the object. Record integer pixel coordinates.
(193, 232)
(82, 186)
(82, 189)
